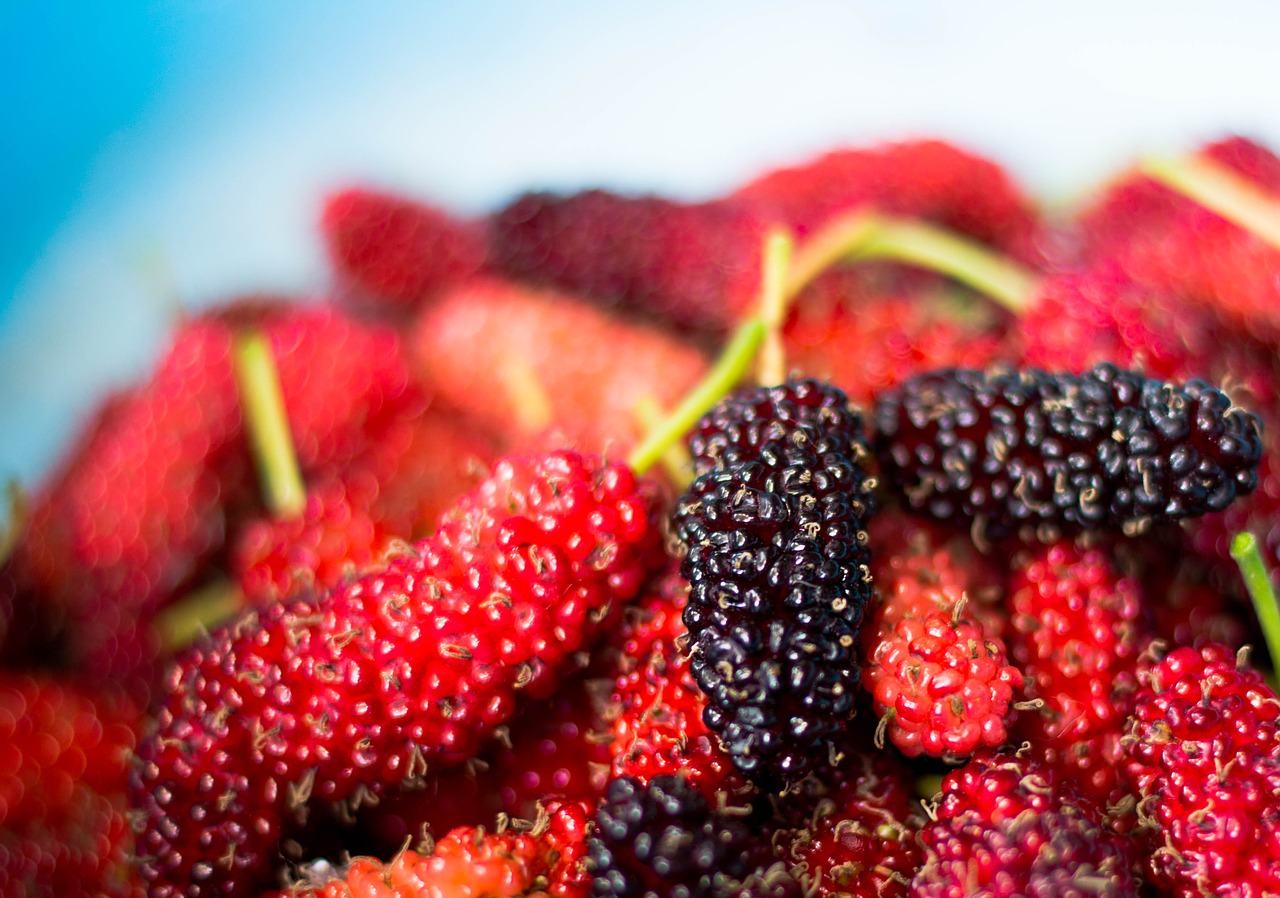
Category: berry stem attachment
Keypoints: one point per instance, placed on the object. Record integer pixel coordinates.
(1220, 190)
(1244, 549)
(778, 248)
(268, 426)
(864, 237)
(723, 376)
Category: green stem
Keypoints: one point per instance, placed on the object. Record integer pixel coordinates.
(834, 242)
(1244, 549)
(676, 460)
(11, 530)
(197, 613)
(943, 251)
(862, 236)
(1220, 190)
(778, 248)
(722, 377)
(268, 426)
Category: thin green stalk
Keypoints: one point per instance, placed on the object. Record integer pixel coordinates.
(723, 376)
(778, 247)
(268, 426)
(1220, 190)
(197, 613)
(863, 236)
(11, 529)
(676, 461)
(943, 251)
(835, 242)
(1244, 549)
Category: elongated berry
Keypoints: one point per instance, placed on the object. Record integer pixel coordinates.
(658, 727)
(1076, 629)
(348, 696)
(392, 252)
(778, 567)
(1055, 453)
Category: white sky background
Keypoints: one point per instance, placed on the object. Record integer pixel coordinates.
(214, 190)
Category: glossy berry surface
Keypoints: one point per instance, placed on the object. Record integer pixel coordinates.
(353, 694)
(778, 568)
(1057, 453)
(663, 839)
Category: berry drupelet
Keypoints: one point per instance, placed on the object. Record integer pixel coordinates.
(1049, 453)
(779, 572)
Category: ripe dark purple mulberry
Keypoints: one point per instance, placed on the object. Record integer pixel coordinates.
(778, 568)
(1032, 451)
(663, 839)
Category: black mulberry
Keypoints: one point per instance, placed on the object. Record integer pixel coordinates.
(1047, 454)
(778, 567)
(662, 840)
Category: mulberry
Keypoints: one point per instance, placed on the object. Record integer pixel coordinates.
(779, 572)
(1109, 449)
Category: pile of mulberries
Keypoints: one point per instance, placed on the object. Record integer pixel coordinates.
(444, 652)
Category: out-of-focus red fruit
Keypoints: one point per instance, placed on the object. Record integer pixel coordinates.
(118, 530)
(393, 252)
(334, 539)
(529, 364)
(697, 266)
(1136, 205)
(864, 342)
(64, 752)
(416, 466)
(691, 265)
(927, 179)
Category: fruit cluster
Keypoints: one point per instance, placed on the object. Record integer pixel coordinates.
(862, 531)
